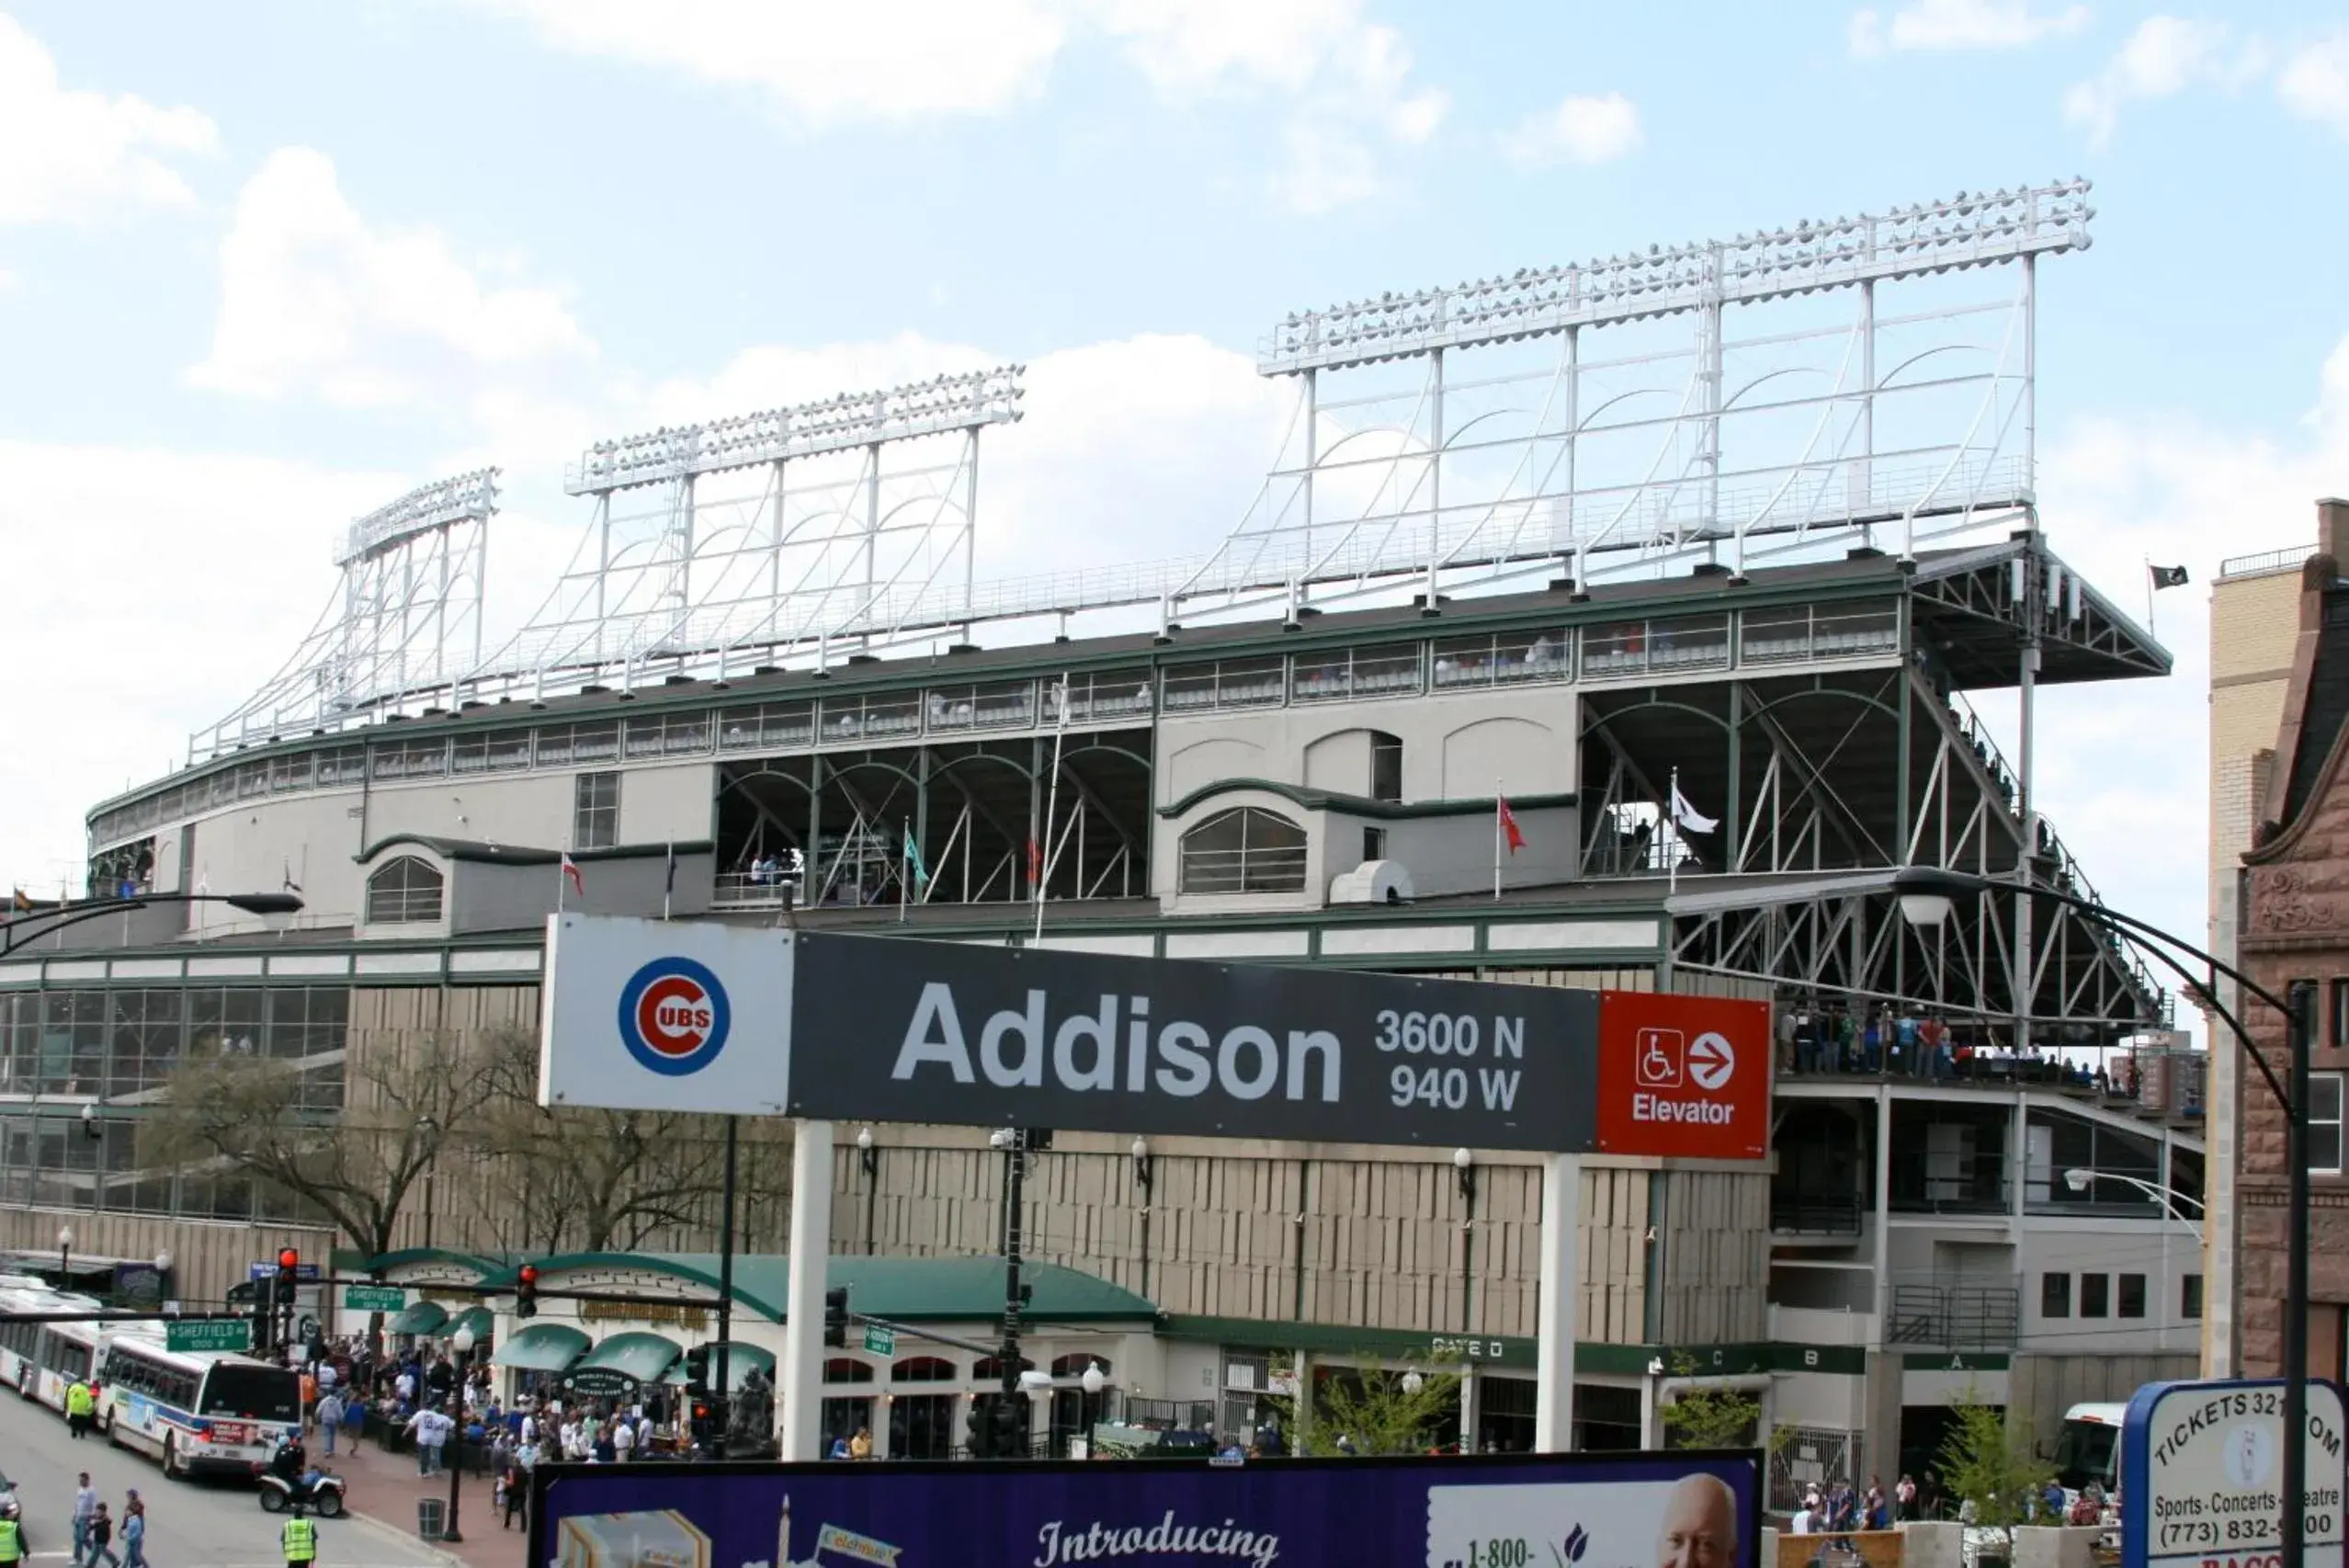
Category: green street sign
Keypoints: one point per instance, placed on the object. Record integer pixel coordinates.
(375, 1297)
(216, 1334)
(880, 1341)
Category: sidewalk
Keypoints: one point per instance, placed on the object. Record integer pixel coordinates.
(385, 1487)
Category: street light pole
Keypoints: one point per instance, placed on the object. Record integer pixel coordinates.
(463, 1344)
(2080, 1180)
(1925, 895)
(49, 922)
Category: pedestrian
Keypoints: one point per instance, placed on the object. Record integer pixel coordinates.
(354, 1418)
(623, 1439)
(510, 1487)
(101, 1539)
(330, 1419)
(299, 1540)
(134, 1531)
(12, 1543)
(80, 1401)
(85, 1509)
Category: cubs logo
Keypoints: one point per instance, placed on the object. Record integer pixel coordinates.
(674, 1016)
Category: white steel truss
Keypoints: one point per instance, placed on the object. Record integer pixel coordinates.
(406, 621)
(1861, 381)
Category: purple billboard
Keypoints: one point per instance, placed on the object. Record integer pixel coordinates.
(1508, 1511)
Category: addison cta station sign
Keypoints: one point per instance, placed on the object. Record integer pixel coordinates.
(698, 1016)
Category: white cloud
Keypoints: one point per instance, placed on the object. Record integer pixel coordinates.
(209, 567)
(2314, 83)
(1345, 79)
(1579, 130)
(1961, 24)
(822, 62)
(2162, 58)
(2132, 767)
(71, 154)
(314, 298)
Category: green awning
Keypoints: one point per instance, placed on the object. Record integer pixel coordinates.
(481, 1320)
(641, 1356)
(741, 1361)
(542, 1347)
(417, 1317)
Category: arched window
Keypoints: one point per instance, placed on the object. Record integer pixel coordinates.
(405, 892)
(1243, 850)
(1074, 1366)
(923, 1370)
(848, 1369)
(990, 1369)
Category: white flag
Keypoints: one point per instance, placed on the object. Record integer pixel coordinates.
(1688, 816)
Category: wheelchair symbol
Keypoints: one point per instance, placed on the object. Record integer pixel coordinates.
(1657, 1057)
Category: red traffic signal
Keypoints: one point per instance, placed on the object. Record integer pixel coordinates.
(529, 1274)
(288, 1260)
(526, 1290)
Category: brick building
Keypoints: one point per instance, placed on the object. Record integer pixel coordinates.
(2296, 926)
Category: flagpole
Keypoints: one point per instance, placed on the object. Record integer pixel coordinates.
(669, 881)
(1672, 842)
(1497, 836)
(1052, 799)
(904, 873)
(562, 878)
(2148, 596)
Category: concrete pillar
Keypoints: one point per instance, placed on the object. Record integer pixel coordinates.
(1557, 1316)
(802, 1366)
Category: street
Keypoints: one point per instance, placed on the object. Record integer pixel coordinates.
(190, 1524)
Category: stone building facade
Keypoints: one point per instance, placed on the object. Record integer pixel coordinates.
(2296, 926)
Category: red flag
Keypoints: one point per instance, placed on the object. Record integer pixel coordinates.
(1509, 829)
(578, 882)
(1035, 862)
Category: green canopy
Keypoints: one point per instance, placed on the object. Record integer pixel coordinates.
(641, 1356)
(542, 1347)
(417, 1317)
(741, 1361)
(481, 1320)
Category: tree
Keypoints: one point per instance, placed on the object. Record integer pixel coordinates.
(1708, 1417)
(597, 1179)
(1982, 1464)
(400, 1105)
(1372, 1408)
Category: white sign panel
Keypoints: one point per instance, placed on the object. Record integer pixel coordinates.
(648, 1014)
(2202, 1468)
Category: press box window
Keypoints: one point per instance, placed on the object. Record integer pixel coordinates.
(2190, 1296)
(1386, 767)
(2055, 1295)
(2096, 1295)
(2132, 1296)
(595, 816)
(405, 892)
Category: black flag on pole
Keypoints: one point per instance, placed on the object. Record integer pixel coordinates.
(2168, 576)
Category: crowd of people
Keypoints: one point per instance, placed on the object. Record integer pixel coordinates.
(1832, 1037)
(1839, 1508)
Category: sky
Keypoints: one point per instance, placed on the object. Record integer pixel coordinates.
(264, 267)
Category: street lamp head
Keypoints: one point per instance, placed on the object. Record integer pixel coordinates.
(1412, 1383)
(1140, 1149)
(1093, 1380)
(2078, 1180)
(264, 903)
(89, 1116)
(1928, 894)
(65, 1235)
(865, 1139)
(162, 1261)
(1462, 1159)
(463, 1342)
(1001, 1138)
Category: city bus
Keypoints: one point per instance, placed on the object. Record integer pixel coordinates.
(196, 1411)
(18, 1338)
(2089, 1449)
(67, 1353)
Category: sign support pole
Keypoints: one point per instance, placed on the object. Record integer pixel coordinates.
(1557, 1316)
(803, 1323)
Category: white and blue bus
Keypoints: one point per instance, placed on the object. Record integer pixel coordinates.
(20, 1338)
(64, 1353)
(204, 1410)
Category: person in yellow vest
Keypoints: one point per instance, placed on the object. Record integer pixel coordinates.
(12, 1543)
(81, 1400)
(301, 1540)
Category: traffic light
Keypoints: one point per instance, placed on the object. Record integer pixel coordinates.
(836, 1315)
(265, 1317)
(526, 1291)
(697, 1372)
(289, 1275)
(979, 1433)
(1011, 1427)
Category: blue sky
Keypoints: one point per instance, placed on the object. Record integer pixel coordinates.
(263, 266)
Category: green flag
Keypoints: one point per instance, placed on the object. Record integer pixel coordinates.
(920, 872)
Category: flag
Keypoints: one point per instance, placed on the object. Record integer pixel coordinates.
(20, 900)
(1511, 834)
(1688, 816)
(916, 872)
(292, 886)
(1035, 862)
(571, 874)
(2167, 577)
(669, 884)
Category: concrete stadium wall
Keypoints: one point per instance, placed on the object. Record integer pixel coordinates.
(207, 1257)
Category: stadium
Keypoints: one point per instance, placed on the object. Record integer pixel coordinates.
(1615, 624)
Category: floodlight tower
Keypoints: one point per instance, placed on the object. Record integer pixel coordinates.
(406, 621)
